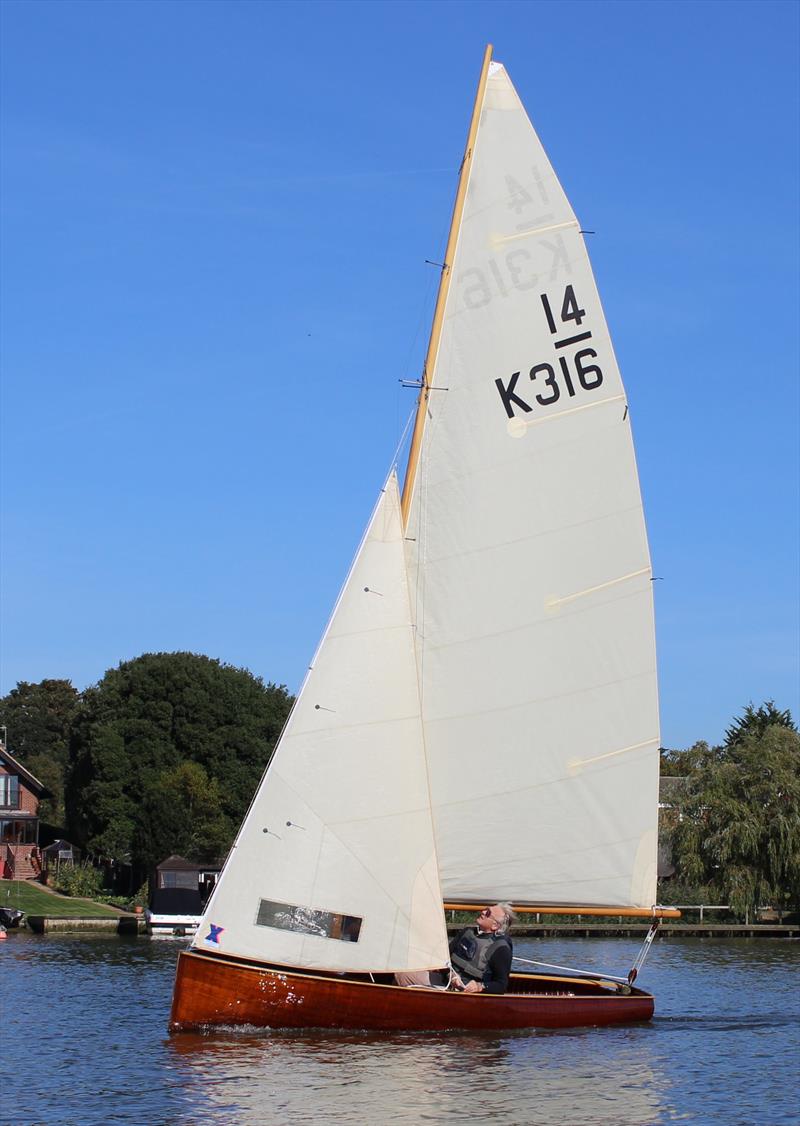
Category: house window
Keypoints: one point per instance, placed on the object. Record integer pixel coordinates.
(18, 832)
(308, 920)
(9, 791)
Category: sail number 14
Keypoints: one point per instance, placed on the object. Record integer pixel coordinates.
(548, 384)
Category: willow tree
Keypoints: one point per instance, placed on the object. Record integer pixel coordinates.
(739, 827)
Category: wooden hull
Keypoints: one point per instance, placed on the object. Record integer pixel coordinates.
(211, 990)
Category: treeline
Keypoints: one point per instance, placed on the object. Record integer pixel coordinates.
(164, 754)
(730, 817)
(161, 756)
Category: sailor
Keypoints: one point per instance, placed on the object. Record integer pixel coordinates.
(481, 955)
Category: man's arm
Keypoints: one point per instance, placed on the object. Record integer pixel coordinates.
(495, 979)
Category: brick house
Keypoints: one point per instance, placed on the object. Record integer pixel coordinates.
(20, 794)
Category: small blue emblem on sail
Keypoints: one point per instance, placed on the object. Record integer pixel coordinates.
(214, 933)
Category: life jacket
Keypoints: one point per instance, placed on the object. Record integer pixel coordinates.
(472, 950)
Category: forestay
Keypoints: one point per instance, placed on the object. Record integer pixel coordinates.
(334, 867)
(529, 565)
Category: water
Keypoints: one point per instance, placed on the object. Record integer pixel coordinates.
(84, 1042)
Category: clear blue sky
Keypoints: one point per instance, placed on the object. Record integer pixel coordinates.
(215, 221)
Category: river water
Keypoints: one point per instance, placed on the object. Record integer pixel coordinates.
(84, 1042)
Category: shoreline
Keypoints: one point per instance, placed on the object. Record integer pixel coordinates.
(131, 925)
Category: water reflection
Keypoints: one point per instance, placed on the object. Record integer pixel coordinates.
(521, 1077)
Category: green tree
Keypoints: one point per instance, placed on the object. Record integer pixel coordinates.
(181, 812)
(755, 721)
(127, 795)
(739, 826)
(38, 718)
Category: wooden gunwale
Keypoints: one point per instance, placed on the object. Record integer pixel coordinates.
(212, 989)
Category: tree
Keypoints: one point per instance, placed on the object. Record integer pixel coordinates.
(739, 825)
(181, 812)
(128, 794)
(755, 721)
(37, 718)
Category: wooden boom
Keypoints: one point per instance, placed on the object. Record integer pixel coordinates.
(538, 909)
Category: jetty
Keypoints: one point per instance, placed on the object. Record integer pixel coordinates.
(124, 923)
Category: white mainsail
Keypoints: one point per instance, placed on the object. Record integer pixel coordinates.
(528, 559)
(335, 867)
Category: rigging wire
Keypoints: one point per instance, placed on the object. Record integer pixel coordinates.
(572, 970)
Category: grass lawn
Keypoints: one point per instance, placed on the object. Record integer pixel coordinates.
(33, 900)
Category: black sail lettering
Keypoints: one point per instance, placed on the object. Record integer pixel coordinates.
(508, 396)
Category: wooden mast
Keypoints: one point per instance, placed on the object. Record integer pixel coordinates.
(444, 286)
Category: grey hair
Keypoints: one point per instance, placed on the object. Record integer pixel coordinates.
(510, 914)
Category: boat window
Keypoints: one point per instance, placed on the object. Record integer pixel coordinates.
(308, 920)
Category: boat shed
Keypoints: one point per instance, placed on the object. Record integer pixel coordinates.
(181, 885)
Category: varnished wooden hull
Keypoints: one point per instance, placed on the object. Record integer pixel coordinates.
(211, 990)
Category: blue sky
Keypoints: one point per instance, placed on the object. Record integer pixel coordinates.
(215, 224)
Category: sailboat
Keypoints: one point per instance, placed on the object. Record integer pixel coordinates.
(480, 720)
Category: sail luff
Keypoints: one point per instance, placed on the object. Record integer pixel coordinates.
(444, 288)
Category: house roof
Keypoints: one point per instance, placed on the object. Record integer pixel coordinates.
(11, 763)
(178, 864)
(60, 846)
(181, 864)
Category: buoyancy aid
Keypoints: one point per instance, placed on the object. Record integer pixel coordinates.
(472, 951)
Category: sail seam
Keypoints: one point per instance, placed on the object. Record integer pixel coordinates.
(543, 699)
(536, 623)
(556, 530)
(517, 791)
(522, 457)
(366, 723)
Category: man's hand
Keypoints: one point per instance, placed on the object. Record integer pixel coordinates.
(473, 987)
